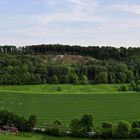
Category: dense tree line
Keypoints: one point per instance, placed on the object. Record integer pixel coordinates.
(26, 65)
(30, 69)
(84, 128)
(13, 119)
(104, 52)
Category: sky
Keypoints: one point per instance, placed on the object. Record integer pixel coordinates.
(73, 22)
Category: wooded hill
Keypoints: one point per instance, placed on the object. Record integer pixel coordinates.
(104, 52)
(41, 64)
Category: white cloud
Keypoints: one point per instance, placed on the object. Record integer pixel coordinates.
(130, 8)
(78, 2)
(80, 22)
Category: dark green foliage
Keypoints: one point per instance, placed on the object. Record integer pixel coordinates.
(84, 79)
(57, 122)
(111, 77)
(136, 124)
(107, 130)
(54, 80)
(124, 88)
(59, 89)
(75, 127)
(122, 130)
(107, 134)
(32, 122)
(23, 124)
(135, 86)
(86, 123)
(74, 78)
(129, 76)
(54, 131)
(81, 127)
(121, 77)
(102, 78)
(28, 65)
(107, 125)
(135, 133)
(97, 52)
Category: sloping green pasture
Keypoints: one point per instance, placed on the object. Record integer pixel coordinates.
(63, 89)
(49, 107)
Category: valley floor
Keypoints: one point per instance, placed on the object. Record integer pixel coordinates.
(71, 101)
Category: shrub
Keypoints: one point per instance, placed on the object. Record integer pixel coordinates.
(101, 78)
(123, 88)
(54, 131)
(57, 122)
(135, 133)
(81, 127)
(73, 78)
(97, 134)
(86, 123)
(106, 134)
(136, 124)
(107, 125)
(84, 79)
(59, 89)
(123, 129)
(54, 80)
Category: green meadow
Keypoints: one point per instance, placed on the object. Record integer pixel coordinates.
(35, 137)
(63, 89)
(39, 137)
(104, 102)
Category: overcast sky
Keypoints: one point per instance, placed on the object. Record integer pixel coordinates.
(81, 22)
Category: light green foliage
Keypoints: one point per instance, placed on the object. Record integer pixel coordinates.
(64, 89)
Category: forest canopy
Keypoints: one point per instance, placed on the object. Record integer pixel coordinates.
(27, 65)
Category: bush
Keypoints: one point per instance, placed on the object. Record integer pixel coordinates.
(59, 89)
(102, 78)
(84, 80)
(106, 134)
(136, 124)
(63, 79)
(97, 134)
(135, 133)
(54, 131)
(123, 129)
(107, 131)
(57, 122)
(73, 78)
(81, 127)
(107, 125)
(124, 88)
(86, 123)
(135, 86)
(54, 80)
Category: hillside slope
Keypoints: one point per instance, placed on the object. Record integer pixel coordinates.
(68, 58)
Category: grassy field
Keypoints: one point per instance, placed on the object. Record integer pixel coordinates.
(64, 89)
(48, 107)
(35, 137)
(104, 102)
(39, 137)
